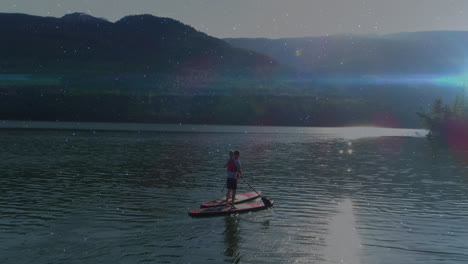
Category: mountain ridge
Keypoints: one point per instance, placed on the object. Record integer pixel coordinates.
(143, 68)
(136, 43)
(406, 52)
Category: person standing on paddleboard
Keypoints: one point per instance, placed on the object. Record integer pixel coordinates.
(233, 174)
(231, 156)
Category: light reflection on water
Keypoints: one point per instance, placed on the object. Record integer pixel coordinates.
(343, 244)
(333, 132)
(94, 196)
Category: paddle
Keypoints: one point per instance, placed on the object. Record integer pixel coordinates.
(265, 201)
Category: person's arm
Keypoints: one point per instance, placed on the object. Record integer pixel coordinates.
(239, 171)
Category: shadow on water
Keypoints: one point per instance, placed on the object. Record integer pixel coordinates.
(443, 151)
(232, 238)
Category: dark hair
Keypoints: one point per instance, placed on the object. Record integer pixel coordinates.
(236, 152)
(231, 152)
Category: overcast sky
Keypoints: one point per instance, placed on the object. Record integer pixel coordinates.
(270, 18)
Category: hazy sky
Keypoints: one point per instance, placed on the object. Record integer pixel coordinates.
(270, 18)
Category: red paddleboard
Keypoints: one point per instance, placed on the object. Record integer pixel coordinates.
(240, 198)
(223, 210)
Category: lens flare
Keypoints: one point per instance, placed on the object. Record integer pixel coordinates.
(460, 80)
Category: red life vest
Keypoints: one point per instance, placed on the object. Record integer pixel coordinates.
(231, 166)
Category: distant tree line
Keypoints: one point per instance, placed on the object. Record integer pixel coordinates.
(238, 107)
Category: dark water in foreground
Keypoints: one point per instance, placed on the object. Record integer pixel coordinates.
(94, 196)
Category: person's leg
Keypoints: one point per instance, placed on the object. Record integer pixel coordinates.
(227, 196)
(233, 197)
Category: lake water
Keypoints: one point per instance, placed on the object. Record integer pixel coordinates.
(120, 193)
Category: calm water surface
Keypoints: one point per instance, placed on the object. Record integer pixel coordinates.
(89, 195)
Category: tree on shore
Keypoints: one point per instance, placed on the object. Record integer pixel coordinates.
(448, 124)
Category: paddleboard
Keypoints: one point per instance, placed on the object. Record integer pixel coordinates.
(240, 198)
(223, 210)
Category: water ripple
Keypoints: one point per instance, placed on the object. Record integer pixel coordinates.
(106, 197)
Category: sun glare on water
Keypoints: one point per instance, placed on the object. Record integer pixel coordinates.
(343, 244)
(364, 132)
